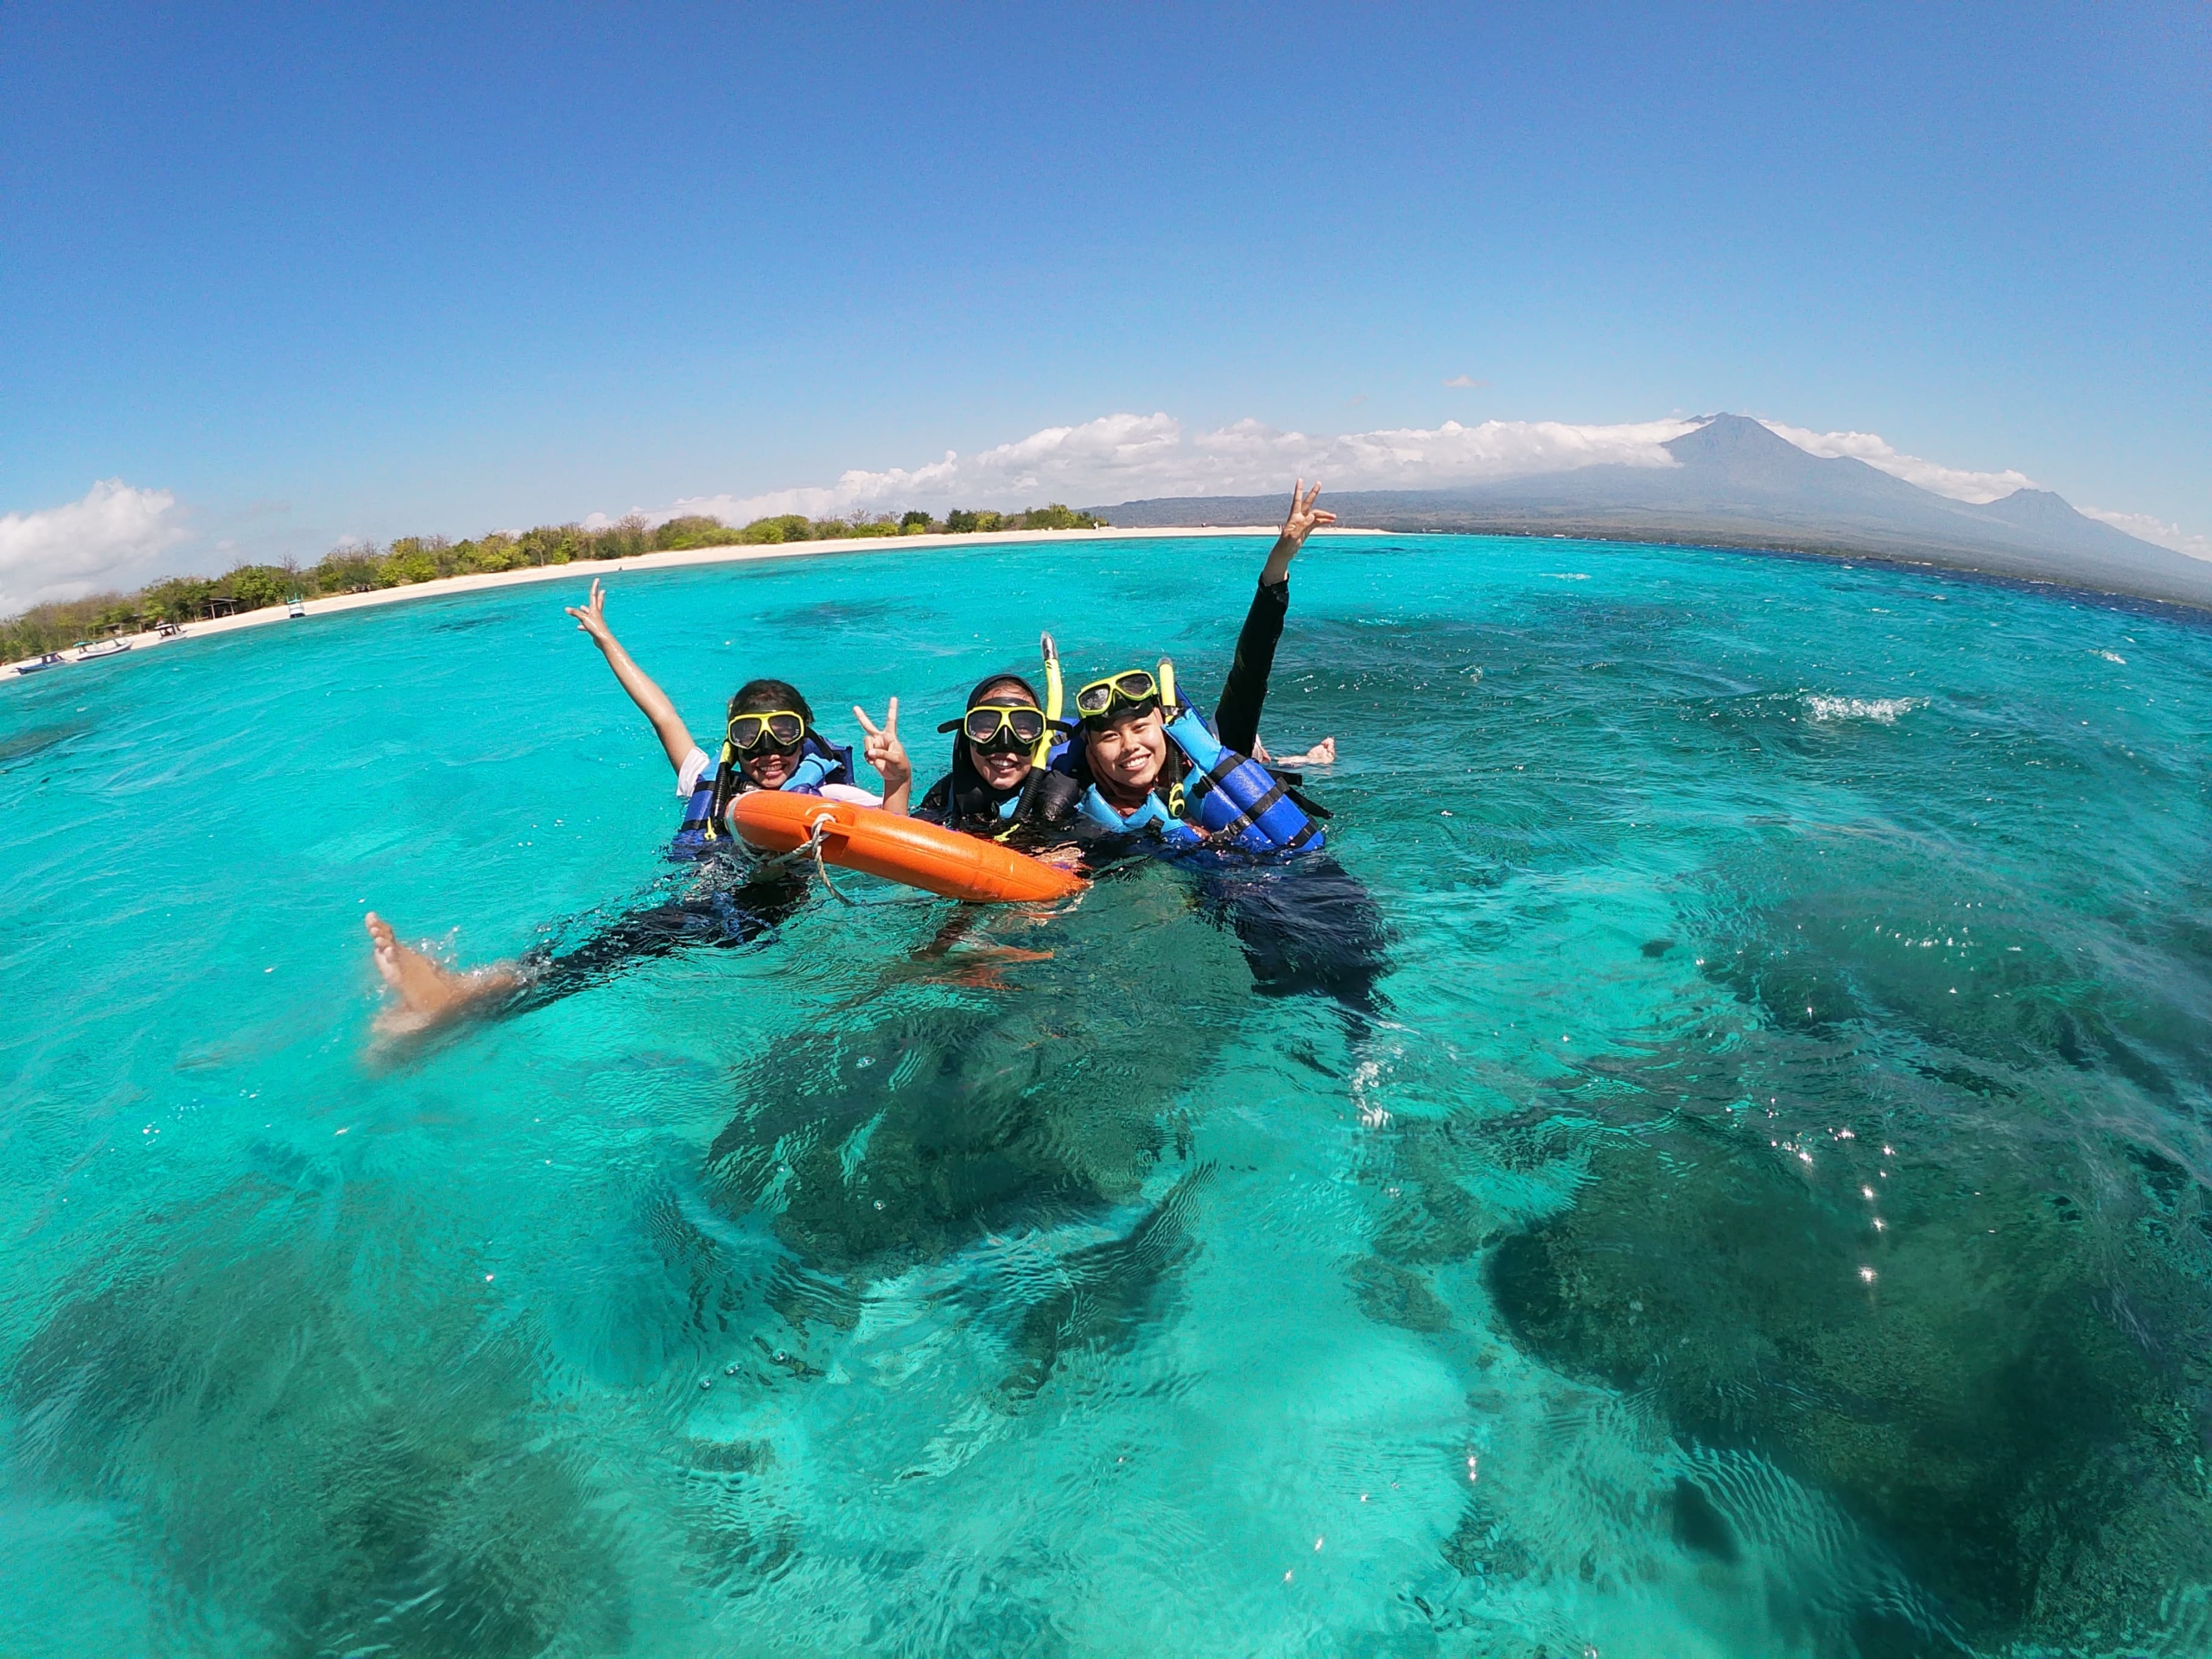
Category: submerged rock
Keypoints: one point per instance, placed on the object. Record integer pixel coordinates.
(957, 1116)
(965, 1104)
(1394, 1294)
(2004, 1386)
(900, 1144)
(1104, 1294)
(334, 1472)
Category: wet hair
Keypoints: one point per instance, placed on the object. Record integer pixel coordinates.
(985, 688)
(766, 696)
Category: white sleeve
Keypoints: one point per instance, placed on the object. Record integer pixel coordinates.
(688, 775)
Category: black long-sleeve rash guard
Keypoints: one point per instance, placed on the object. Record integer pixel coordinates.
(1236, 717)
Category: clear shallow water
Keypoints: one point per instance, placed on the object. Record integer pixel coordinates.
(1738, 904)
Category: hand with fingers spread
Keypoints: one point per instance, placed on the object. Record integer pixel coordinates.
(1323, 753)
(1305, 518)
(883, 751)
(591, 616)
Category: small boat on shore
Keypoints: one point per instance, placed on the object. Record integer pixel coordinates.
(105, 648)
(52, 659)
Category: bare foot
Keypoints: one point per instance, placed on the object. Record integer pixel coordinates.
(429, 993)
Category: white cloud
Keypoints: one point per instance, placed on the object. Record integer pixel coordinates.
(107, 540)
(1130, 457)
(2157, 532)
(116, 535)
(1875, 451)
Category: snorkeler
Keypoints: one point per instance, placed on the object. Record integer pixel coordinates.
(1149, 765)
(997, 740)
(1154, 775)
(1001, 783)
(998, 746)
(769, 743)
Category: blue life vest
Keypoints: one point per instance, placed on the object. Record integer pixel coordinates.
(1239, 801)
(820, 762)
(1153, 815)
(1239, 804)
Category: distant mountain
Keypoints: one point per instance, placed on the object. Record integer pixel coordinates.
(1736, 483)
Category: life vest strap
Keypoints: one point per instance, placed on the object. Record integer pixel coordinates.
(1248, 816)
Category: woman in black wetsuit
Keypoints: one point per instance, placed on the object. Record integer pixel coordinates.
(1122, 752)
(1306, 925)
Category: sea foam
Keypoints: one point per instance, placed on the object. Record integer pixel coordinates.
(1883, 711)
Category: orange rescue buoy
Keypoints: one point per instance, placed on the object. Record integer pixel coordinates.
(866, 838)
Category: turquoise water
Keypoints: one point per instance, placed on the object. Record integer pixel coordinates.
(836, 1297)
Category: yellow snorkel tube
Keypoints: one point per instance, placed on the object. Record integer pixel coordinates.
(1165, 680)
(713, 827)
(1053, 697)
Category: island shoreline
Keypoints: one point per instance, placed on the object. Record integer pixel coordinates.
(674, 559)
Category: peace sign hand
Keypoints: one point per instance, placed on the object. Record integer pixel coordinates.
(882, 749)
(1305, 516)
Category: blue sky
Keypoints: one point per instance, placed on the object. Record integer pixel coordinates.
(317, 272)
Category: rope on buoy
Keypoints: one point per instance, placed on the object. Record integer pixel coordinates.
(811, 847)
(814, 845)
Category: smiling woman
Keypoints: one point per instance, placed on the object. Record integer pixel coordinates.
(997, 741)
(770, 745)
(1137, 745)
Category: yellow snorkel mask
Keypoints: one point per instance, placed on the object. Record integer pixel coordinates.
(1128, 688)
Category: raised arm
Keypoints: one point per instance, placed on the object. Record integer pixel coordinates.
(675, 736)
(1236, 717)
(1305, 518)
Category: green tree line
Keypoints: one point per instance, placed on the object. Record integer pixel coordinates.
(357, 569)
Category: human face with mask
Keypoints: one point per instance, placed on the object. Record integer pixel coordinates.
(1000, 732)
(767, 742)
(995, 745)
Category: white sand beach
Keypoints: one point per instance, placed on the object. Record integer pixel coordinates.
(331, 604)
